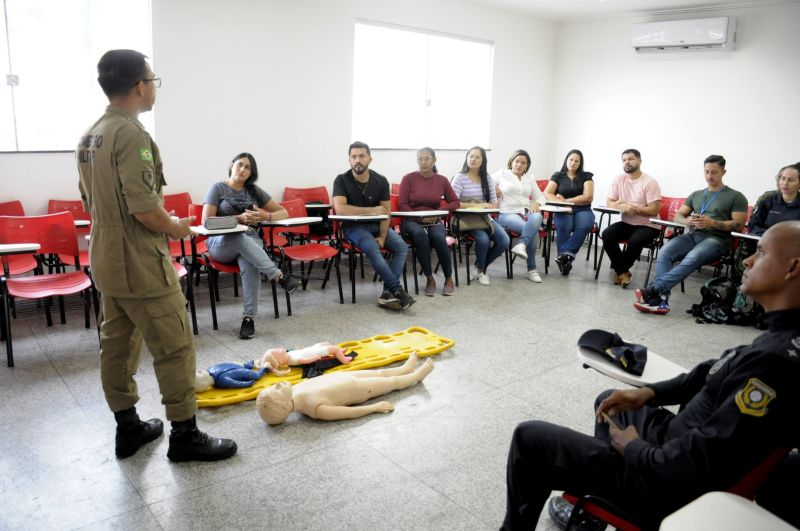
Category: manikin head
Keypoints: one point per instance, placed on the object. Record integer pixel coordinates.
(275, 403)
(202, 381)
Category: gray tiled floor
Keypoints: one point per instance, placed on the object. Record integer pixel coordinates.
(436, 462)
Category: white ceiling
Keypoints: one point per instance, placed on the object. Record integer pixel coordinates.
(581, 9)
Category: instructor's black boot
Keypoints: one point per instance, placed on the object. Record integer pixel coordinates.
(132, 433)
(187, 443)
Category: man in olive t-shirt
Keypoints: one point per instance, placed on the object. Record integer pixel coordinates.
(710, 215)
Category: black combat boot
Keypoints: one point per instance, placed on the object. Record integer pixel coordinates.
(132, 433)
(187, 443)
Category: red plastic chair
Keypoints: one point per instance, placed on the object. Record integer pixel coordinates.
(19, 263)
(178, 204)
(57, 235)
(747, 487)
(214, 268)
(308, 252)
(74, 207)
(311, 196)
(395, 189)
(669, 207)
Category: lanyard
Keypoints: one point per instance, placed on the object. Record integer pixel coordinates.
(707, 204)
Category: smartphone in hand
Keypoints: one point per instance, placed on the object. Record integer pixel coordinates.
(609, 420)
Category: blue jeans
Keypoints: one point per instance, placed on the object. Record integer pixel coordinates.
(425, 237)
(484, 255)
(364, 238)
(246, 249)
(692, 250)
(528, 229)
(571, 229)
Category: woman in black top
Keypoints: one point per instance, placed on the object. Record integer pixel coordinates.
(575, 186)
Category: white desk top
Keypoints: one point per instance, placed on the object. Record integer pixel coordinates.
(607, 210)
(559, 203)
(292, 222)
(659, 221)
(82, 222)
(419, 213)
(551, 208)
(18, 248)
(201, 230)
(656, 369)
(722, 511)
(477, 211)
(318, 205)
(370, 217)
(744, 236)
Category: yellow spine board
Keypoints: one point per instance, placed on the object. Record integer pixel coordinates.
(372, 352)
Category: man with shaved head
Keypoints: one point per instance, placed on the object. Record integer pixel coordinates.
(735, 411)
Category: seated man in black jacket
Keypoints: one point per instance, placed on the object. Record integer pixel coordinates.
(736, 410)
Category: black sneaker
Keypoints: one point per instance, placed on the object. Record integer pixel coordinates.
(289, 283)
(560, 510)
(187, 443)
(133, 435)
(564, 263)
(248, 329)
(404, 298)
(387, 300)
(560, 261)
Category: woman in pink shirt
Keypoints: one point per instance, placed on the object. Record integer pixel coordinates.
(427, 190)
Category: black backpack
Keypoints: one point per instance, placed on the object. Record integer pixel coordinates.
(723, 302)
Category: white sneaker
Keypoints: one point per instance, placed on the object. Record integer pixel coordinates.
(533, 276)
(483, 279)
(519, 250)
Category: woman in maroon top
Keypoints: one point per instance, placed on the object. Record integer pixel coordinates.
(427, 190)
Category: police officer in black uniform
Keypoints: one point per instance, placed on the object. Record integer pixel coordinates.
(735, 411)
(121, 181)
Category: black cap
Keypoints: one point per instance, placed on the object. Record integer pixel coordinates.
(629, 356)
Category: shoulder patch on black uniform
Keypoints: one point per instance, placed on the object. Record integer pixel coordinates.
(754, 397)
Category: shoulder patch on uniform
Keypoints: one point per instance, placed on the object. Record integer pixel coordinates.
(754, 397)
(145, 154)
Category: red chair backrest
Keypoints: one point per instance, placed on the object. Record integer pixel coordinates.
(179, 203)
(73, 206)
(748, 486)
(197, 211)
(296, 209)
(54, 232)
(395, 189)
(542, 184)
(317, 194)
(12, 208)
(669, 206)
(395, 200)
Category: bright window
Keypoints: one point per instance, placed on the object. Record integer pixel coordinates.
(413, 88)
(50, 50)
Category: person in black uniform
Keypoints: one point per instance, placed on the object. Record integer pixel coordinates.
(734, 412)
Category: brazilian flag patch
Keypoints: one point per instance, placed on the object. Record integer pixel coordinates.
(145, 154)
(754, 397)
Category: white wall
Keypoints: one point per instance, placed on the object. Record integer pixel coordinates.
(274, 78)
(677, 108)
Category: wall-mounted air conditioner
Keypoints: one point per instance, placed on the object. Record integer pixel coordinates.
(682, 35)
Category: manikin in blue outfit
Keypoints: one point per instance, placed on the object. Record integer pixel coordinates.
(228, 376)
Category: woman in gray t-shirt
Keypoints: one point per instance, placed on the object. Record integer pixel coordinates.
(238, 196)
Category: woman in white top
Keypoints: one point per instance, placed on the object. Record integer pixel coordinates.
(519, 201)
